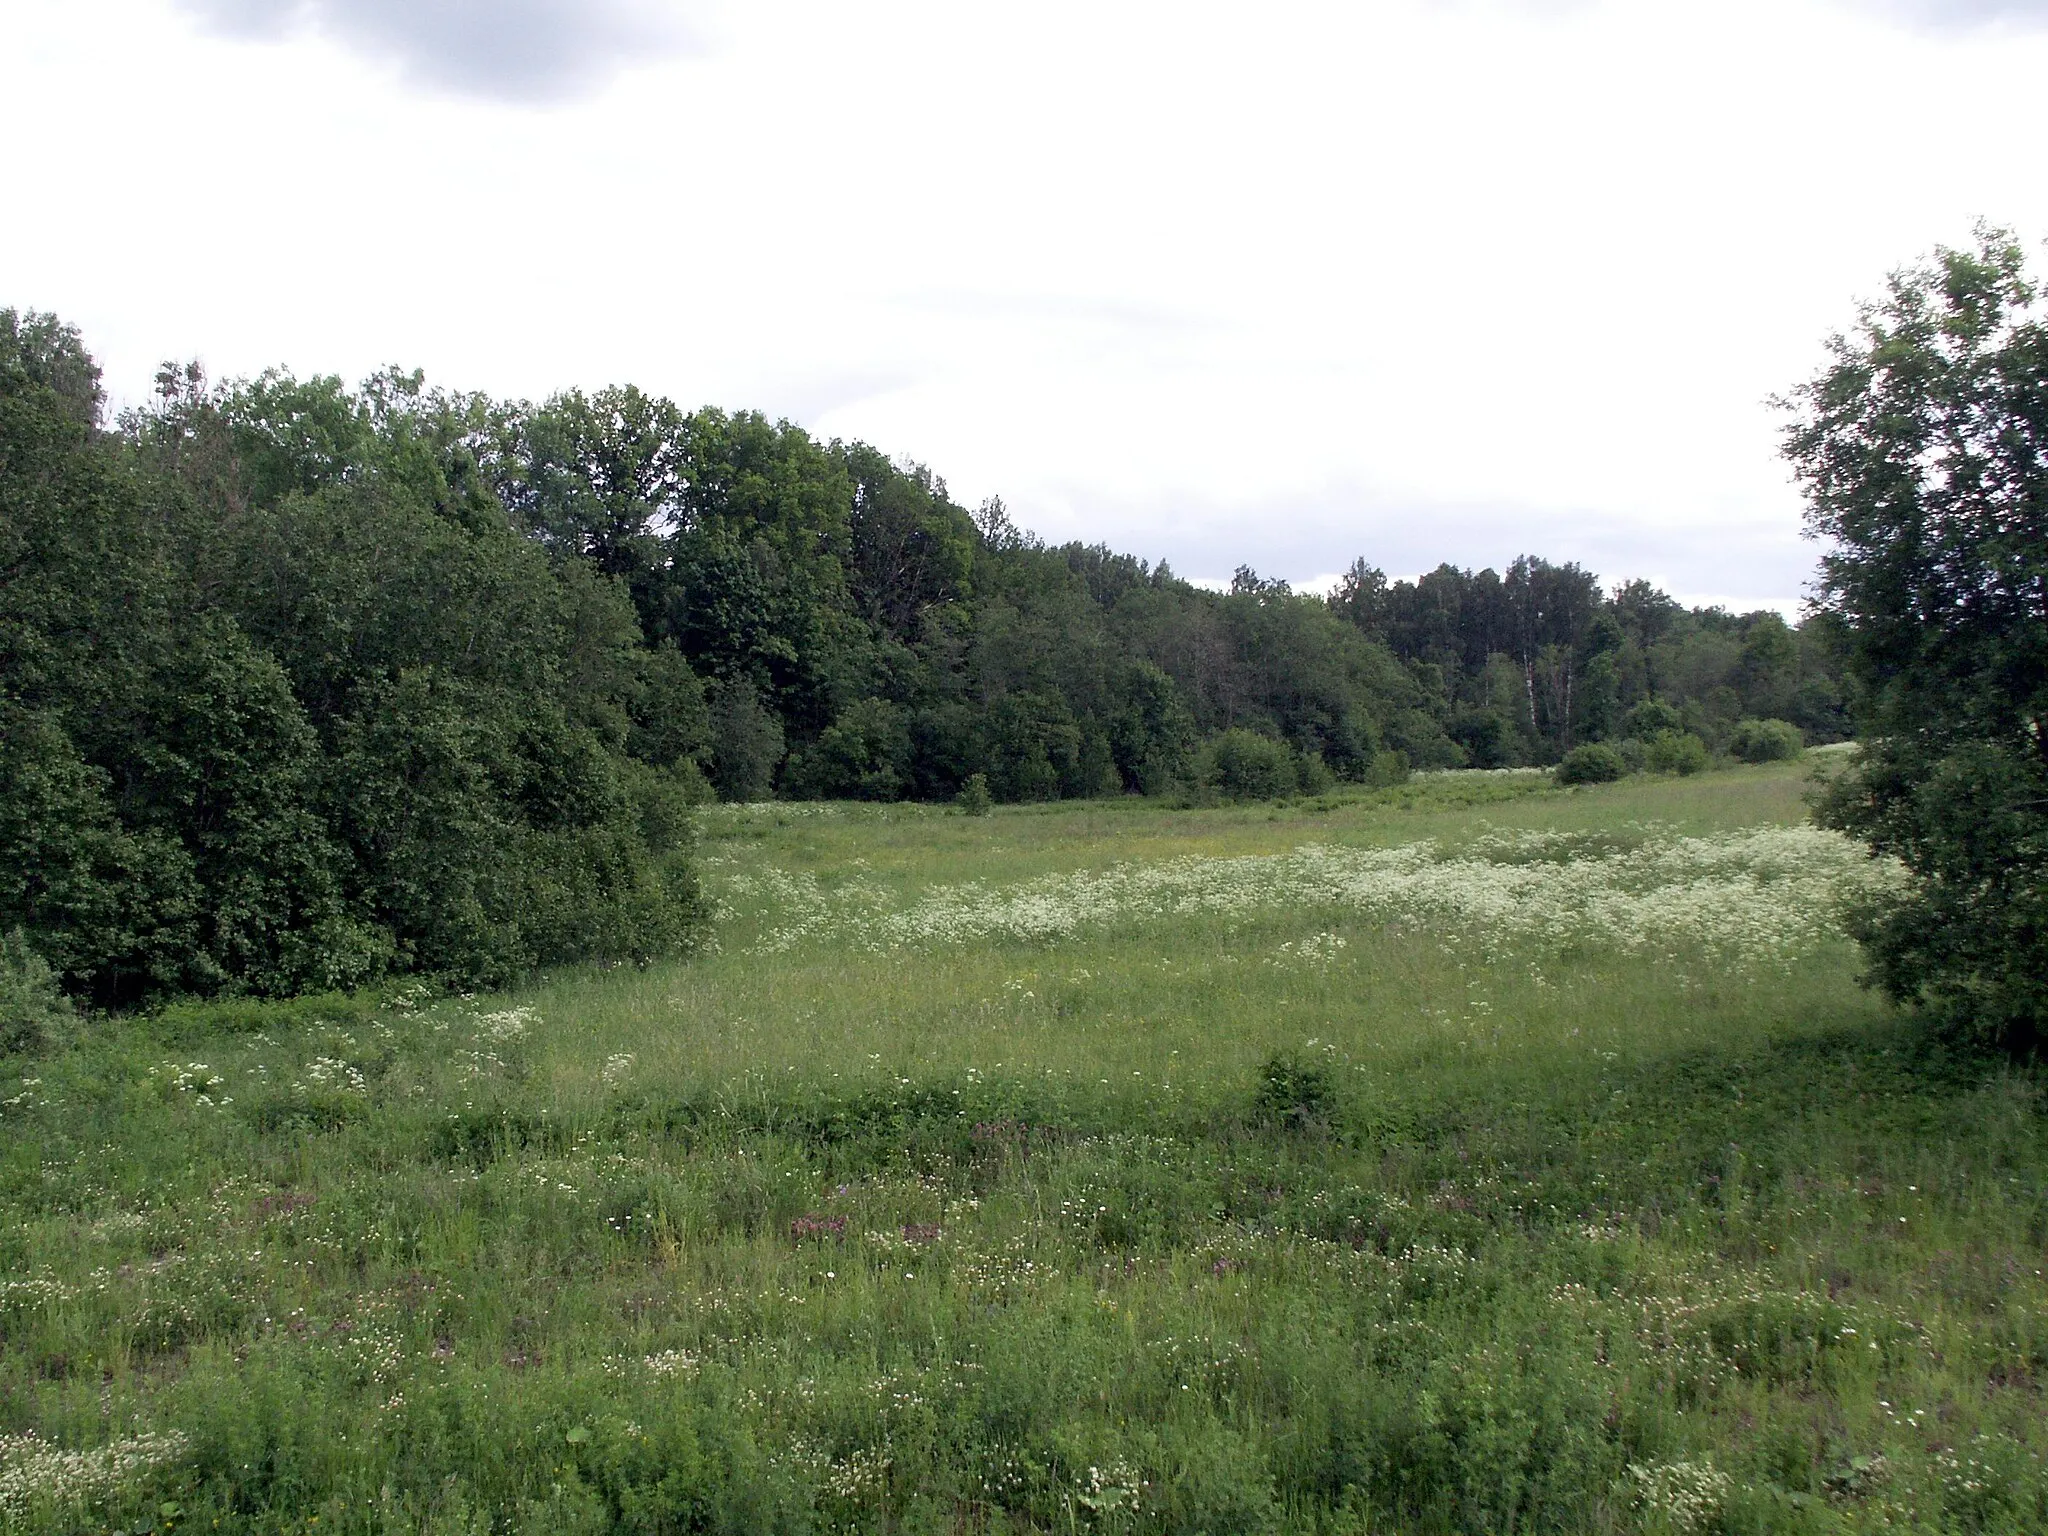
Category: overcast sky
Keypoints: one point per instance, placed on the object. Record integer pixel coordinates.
(1282, 285)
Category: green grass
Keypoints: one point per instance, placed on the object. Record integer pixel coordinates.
(1273, 1215)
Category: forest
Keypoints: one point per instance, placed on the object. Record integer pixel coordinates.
(305, 685)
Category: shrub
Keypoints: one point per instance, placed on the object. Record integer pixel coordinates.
(1766, 741)
(862, 755)
(1678, 752)
(1243, 765)
(31, 1007)
(1594, 763)
(746, 742)
(1294, 1092)
(974, 798)
(1650, 719)
(1388, 769)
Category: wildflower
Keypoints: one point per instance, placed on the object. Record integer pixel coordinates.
(1688, 1494)
(33, 1472)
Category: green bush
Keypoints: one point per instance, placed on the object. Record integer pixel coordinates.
(1594, 763)
(746, 742)
(1313, 775)
(1387, 769)
(1766, 741)
(1678, 752)
(862, 755)
(1294, 1092)
(1650, 719)
(1243, 765)
(974, 798)
(31, 1007)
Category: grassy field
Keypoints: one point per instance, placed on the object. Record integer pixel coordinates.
(1472, 1156)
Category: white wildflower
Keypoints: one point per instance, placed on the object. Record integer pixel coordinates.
(1689, 1494)
(33, 1472)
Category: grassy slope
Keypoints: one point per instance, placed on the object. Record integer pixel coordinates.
(994, 1236)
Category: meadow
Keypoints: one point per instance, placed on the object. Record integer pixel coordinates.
(1468, 1156)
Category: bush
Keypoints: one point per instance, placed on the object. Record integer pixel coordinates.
(1243, 765)
(974, 798)
(1766, 741)
(1650, 719)
(31, 1007)
(746, 742)
(1294, 1092)
(1387, 769)
(862, 755)
(282, 721)
(1594, 763)
(1678, 752)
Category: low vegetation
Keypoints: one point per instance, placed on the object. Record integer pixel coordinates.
(1471, 1154)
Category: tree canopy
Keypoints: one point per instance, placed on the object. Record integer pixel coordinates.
(1922, 447)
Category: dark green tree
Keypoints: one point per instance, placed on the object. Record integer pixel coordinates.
(1920, 450)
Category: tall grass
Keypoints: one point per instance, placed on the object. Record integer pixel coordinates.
(1343, 1208)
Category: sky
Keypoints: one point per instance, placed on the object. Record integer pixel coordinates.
(1279, 286)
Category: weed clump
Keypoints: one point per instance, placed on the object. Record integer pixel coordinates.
(1295, 1092)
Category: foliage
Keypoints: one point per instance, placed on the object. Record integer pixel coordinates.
(1523, 667)
(1294, 1091)
(288, 706)
(974, 798)
(1679, 752)
(746, 741)
(1766, 741)
(32, 1009)
(1594, 763)
(1918, 447)
(1242, 765)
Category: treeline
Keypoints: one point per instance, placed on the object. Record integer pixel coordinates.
(305, 684)
(1522, 667)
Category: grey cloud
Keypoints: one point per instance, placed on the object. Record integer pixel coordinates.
(532, 51)
(1925, 15)
(1959, 15)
